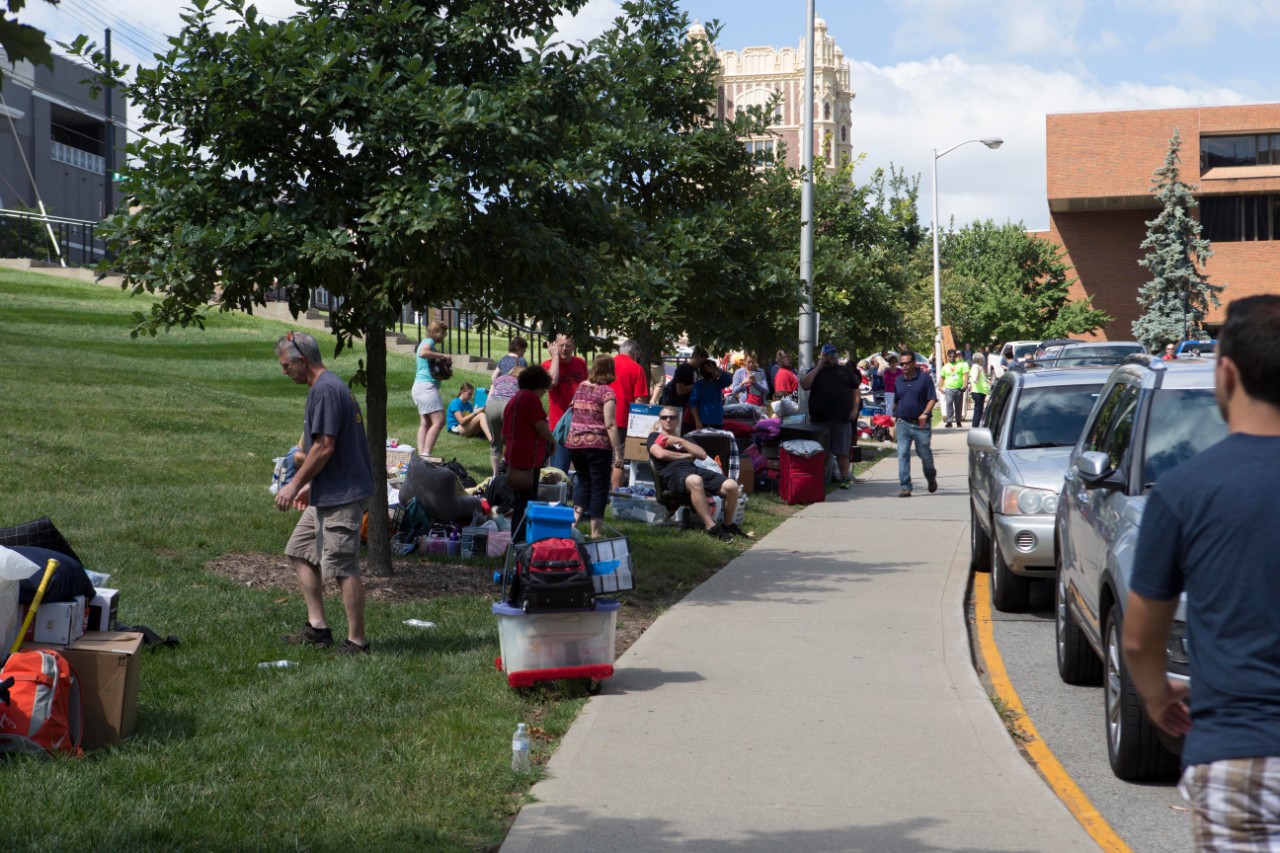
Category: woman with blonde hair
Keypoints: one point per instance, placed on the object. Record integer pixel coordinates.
(426, 386)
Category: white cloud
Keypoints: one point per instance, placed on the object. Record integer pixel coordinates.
(1196, 22)
(1023, 27)
(591, 20)
(904, 111)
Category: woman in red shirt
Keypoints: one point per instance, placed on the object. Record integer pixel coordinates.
(527, 438)
(594, 443)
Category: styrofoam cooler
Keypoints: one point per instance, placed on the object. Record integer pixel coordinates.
(803, 478)
(551, 645)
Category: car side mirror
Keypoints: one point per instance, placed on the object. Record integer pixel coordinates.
(980, 439)
(1095, 470)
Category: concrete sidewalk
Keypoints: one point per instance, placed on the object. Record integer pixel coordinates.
(817, 694)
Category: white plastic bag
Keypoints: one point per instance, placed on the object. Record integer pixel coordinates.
(14, 568)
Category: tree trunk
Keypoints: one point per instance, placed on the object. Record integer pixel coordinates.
(375, 414)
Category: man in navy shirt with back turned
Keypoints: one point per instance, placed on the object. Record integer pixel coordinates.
(1211, 528)
(913, 402)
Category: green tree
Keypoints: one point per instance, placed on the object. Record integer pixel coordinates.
(1178, 296)
(1001, 283)
(865, 256)
(22, 41)
(691, 244)
(393, 153)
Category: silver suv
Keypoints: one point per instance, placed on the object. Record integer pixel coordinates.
(1152, 416)
(1016, 460)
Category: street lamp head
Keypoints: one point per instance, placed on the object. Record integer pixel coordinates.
(994, 142)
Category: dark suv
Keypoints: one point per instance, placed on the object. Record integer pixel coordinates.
(1152, 416)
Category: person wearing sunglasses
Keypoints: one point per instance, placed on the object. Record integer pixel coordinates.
(675, 460)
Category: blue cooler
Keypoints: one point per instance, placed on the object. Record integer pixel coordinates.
(544, 521)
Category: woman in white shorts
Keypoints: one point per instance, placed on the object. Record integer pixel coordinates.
(426, 388)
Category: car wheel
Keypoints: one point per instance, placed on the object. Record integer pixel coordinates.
(1077, 661)
(979, 543)
(1133, 745)
(1009, 592)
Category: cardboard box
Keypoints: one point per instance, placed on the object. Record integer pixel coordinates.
(109, 667)
(635, 449)
(102, 610)
(642, 419)
(56, 623)
(746, 474)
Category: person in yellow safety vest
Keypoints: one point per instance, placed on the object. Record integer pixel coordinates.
(979, 386)
(955, 379)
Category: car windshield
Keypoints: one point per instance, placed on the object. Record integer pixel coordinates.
(1096, 355)
(1020, 352)
(1183, 422)
(1052, 416)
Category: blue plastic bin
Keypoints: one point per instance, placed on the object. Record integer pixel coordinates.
(544, 521)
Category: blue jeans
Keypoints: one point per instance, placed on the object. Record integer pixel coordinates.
(922, 436)
(560, 459)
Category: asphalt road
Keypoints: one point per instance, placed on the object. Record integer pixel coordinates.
(1151, 818)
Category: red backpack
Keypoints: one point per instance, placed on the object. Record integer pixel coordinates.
(43, 712)
(550, 574)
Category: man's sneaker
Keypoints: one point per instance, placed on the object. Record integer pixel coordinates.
(321, 638)
(844, 484)
(933, 484)
(735, 530)
(718, 532)
(904, 493)
(350, 648)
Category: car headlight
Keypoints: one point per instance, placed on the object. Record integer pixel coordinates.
(1023, 500)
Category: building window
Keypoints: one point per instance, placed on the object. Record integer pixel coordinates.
(1254, 149)
(844, 133)
(826, 112)
(762, 148)
(1236, 219)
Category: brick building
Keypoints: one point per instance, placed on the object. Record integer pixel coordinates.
(1099, 170)
(750, 78)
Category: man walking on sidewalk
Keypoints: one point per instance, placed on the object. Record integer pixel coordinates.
(913, 407)
(1209, 529)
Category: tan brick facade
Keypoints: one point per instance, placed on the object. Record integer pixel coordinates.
(1098, 175)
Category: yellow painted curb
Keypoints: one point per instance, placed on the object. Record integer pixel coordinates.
(1045, 761)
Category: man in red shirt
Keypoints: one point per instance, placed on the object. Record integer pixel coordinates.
(567, 372)
(630, 386)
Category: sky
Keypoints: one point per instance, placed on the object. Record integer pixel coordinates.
(928, 74)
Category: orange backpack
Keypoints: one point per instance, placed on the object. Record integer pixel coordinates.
(43, 711)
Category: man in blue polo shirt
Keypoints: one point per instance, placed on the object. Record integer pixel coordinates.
(1210, 529)
(913, 402)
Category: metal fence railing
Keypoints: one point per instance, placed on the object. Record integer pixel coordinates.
(52, 239)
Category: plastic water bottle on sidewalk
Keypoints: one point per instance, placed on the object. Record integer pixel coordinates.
(520, 750)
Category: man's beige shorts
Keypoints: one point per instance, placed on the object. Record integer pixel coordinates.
(329, 537)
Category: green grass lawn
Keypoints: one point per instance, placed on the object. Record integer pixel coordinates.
(153, 457)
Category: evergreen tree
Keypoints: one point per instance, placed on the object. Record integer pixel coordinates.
(1178, 295)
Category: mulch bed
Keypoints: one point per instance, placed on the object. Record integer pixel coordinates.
(413, 579)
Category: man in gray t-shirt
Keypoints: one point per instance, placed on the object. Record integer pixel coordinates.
(331, 487)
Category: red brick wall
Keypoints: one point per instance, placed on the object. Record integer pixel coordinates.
(1113, 154)
(1109, 158)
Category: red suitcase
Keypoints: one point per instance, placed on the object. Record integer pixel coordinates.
(803, 479)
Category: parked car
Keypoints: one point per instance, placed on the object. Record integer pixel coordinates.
(1016, 460)
(1095, 353)
(1020, 349)
(1152, 416)
(1196, 348)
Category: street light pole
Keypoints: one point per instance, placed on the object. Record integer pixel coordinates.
(807, 330)
(993, 143)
